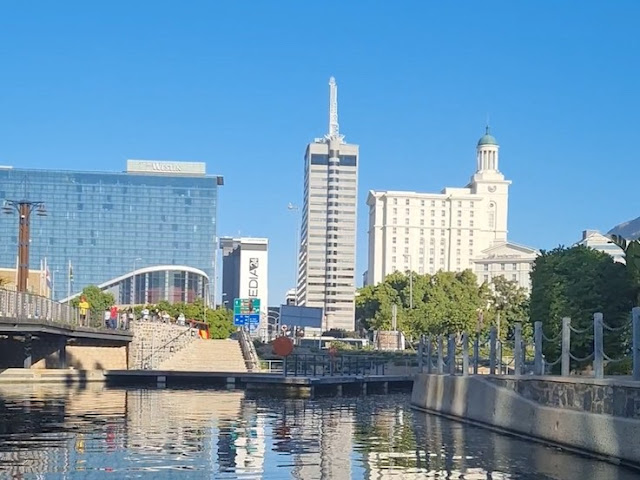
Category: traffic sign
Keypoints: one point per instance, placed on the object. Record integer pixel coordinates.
(246, 311)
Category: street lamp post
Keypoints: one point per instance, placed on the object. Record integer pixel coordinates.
(295, 209)
(410, 281)
(24, 209)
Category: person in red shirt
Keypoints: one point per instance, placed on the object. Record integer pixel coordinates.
(113, 317)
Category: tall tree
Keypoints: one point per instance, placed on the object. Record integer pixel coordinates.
(631, 249)
(99, 301)
(578, 282)
(509, 305)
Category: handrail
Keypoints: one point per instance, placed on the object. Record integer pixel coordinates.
(154, 351)
(248, 351)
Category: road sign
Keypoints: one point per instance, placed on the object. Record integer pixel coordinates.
(246, 311)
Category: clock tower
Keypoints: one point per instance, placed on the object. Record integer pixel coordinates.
(489, 184)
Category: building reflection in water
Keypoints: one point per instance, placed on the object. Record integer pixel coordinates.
(157, 433)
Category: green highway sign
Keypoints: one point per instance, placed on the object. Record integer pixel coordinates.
(246, 311)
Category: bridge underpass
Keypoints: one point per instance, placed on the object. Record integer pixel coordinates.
(36, 332)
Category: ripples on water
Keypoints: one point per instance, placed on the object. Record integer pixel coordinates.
(55, 432)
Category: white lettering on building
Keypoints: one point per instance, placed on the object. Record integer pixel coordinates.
(166, 167)
(253, 277)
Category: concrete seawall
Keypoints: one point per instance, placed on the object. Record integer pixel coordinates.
(480, 400)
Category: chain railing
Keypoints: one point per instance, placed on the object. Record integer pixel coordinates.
(22, 307)
(321, 365)
(432, 357)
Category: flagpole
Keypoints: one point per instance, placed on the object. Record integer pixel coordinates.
(69, 280)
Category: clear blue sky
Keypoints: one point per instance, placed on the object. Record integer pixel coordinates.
(243, 86)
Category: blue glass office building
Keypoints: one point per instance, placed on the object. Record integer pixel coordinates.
(108, 224)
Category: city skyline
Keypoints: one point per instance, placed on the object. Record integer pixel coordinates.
(79, 94)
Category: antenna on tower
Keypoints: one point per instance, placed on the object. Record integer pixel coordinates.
(334, 127)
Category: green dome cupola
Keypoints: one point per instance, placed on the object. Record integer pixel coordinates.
(487, 138)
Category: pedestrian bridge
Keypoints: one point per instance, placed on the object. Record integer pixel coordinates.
(34, 328)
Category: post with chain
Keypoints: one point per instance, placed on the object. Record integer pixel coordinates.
(451, 354)
(517, 351)
(428, 348)
(476, 353)
(598, 345)
(566, 347)
(493, 334)
(635, 344)
(465, 354)
(420, 353)
(440, 365)
(537, 338)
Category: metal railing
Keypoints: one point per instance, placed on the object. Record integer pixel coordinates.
(21, 307)
(164, 351)
(456, 358)
(309, 365)
(248, 351)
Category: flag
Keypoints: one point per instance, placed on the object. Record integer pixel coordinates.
(70, 272)
(47, 274)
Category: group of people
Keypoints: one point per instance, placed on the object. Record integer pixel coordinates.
(114, 318)
(162, 316)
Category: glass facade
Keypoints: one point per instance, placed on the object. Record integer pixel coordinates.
(108, 224)
(155, 284)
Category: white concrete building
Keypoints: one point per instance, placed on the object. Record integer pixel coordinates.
(594, 239)
(326, 267)
(509, 260)
(245, 271)
(427, 232)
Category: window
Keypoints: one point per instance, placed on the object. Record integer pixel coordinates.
(406, 250)
(406, 231)
(433, 213)
(348, 160)
(422, 221)
(486, 267)
(442, 233)
(406, 221)
(459, 204)
(406, 202)
(458, 251)
(421, 251)
(431, 260)
(444, 203)
(432, 232)
(432, 242)
(515, 266)
(459, 213)
(395, 230)
(514, 277)
(459, 223)
(393, 259)
(458, 261)
(395, 201)
(433, 204)
(443, 213)
(393, 240)
(471, 242)
(422, 212)
(422, 241)
(471, 213)
(432, 222)
(432, 251)
(422, 205)
(406, 211)
(471, 233)
(393, 249)
(442, 251)
(471, 252)
(486, 278)
(395, 211)
(317, 159)
(422, 231)
(406, 240)
(395, 220)
(442, 224)
(471, 223)
(459, 232)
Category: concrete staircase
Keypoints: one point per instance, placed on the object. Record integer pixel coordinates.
(207, 356)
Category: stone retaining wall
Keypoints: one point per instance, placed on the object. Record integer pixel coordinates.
(607, 396)
(155, 342)
(483, 400)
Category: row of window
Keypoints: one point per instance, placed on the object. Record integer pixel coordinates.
(443, 213)
(423, 203)
(432, 222)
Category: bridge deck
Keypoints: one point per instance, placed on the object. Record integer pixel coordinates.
(17, 326)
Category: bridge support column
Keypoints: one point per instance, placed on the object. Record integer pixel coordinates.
(62, 352)
(27, 350)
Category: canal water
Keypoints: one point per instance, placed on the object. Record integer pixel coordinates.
(94, 432)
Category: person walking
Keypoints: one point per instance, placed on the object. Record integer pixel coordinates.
(113, 317)
(84, 310)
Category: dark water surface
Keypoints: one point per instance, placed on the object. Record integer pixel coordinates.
(95, 432)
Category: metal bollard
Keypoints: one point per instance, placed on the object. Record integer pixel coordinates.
(537, 338)
(517, 351)
(465, 354)
(635, 319)
(598, 348)
(492, 350)
(566, 347)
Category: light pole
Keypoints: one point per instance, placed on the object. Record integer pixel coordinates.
(295, 209)
(133, 281)
(24, 209)
(410, 281)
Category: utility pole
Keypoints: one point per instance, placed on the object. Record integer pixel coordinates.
(24, 208)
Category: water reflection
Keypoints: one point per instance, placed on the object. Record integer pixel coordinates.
(55, 432)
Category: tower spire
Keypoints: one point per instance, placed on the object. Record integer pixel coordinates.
(334, 127)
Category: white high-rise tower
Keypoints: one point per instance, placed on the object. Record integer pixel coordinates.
(326, 274)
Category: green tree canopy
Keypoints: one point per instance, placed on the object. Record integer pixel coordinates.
(446, 302)
(509, 305)
(99, 301)
(578, 282)
(631, 250)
